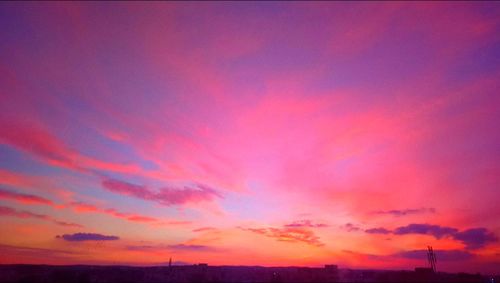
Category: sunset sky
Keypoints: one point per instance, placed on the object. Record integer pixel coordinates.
(275, 134)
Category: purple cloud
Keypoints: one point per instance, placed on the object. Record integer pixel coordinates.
(379, 230)
(404, 212)
(80, 237)
(165, 196)
(178, 247)
(351, 227)
(185, 247)
(128, 189)
(475, 238)
(441, 255)
(434, 230)
(306, 223)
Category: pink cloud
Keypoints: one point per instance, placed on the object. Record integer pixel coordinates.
(7, 211)
(25, 198)
(37, 183)
(82, 207)
(165, 196)
(204, 229)
(33, 139)
(14, 179)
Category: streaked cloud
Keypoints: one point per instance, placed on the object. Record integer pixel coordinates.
(44, 255)
(288, 234)
(351, 227)
(85, 207)
(33, 139)
(24, 198)
(405, 212)
(185, 247)
(377, 231)
(442, 255)
(166, 195)
(7, 211)
(204, 229)
(175, 247)
(306, 223)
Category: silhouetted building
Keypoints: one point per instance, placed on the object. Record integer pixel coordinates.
(331, 272)
(424, 270)
(205, 273)
(331, 268)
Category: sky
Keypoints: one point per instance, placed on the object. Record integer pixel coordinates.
(274, 134)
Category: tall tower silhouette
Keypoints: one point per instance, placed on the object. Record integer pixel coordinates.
(431, 257)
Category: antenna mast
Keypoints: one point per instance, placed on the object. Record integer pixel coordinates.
(431, 256)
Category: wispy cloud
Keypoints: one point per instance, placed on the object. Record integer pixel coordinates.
(405, 212)
(175, 247)
(379, 230)
(166, 196)
(7, 211)
(351, 227)
(306, 223)
(204, 229)
(441, 255)
(34, 139)
(85, 207)
(82, 207)
(185, 247)
(35, 252)
(24, 198)
(288, 234)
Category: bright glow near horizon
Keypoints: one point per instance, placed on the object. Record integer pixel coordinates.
(281, 133)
